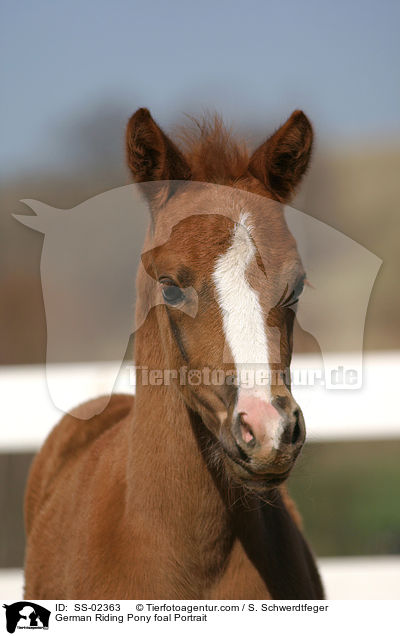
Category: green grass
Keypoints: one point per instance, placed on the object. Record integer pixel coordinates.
(349, 496)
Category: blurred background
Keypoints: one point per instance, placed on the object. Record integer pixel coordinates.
(73, 72)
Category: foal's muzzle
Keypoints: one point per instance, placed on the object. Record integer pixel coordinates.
(265, 437)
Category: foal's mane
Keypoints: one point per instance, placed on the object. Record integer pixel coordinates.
(211, 151)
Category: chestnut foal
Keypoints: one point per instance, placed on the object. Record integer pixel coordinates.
(179, 492)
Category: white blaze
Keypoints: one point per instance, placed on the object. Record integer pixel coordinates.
(242, 314)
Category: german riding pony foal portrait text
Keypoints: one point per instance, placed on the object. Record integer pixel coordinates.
(179, 492)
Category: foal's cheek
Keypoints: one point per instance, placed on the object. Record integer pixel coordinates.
(287, 335)
(280, 324)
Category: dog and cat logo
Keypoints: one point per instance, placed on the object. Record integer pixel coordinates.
(26, 615)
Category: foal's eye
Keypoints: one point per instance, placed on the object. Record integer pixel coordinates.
(292, 299)
(172, 294)
(298, 289)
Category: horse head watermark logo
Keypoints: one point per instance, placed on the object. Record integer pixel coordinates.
(26, 615)
(93, 251)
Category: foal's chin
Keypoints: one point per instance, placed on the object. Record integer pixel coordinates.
(258, 482)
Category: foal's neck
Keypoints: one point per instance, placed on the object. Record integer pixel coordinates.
(180, 496)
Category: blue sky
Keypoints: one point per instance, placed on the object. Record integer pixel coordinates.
(253, 61)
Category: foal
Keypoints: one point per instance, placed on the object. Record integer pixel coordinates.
(179, 492)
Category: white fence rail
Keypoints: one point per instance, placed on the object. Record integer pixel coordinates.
(354, 578)
(367, 413)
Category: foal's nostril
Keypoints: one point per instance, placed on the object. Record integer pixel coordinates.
(292, 433)
(296, 433)
(245, 430)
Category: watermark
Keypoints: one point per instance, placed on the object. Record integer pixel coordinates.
(91, 254)
(245, 378)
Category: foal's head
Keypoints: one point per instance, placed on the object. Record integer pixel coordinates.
(223, 275)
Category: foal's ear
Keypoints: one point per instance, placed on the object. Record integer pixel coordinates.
(281, 161)
(152, 156)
